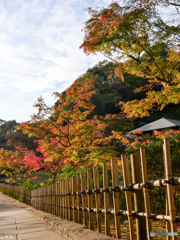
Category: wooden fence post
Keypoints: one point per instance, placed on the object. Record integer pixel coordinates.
(106, 200)
(58, 199)
(126, 176)
(49, 198)
(52, 198)
(79, 200)
(146, 193)
(37, 199)
(114, 169)
(170, 188)
(67, 201)
(90, 200)
(97, 197)
(61, 192)
(74, 199)
(64, 191)
(43, 200)
(84, 198)
(168, 226)
(46, 198)
(138, 197)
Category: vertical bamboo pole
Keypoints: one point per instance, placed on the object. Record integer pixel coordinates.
(36, 204)
(106, 200)
(168, 226)
(170, 188)
(46, 199)
(41, 194)
(138, 197)
(37, 198)
(58, 199)
(67, 200)
(48, 193)
(42, 198)
(126, 175)
(32, 199)
(90, 200)
(71, 198)
(55, 199)
(146, 193)
(49, 198)
(84, 198)
(97, 197)
(63, 190)
(52, 198)
(114, 168)
(79, 204)
(74, 190)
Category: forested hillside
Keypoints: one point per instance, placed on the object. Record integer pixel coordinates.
(111, 89)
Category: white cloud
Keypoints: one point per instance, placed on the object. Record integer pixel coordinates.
(39, 50)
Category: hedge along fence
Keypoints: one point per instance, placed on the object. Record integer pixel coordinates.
(81, 198)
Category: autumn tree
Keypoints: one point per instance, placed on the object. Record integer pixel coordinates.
(67, 132)
(17, 165)
(137, 38)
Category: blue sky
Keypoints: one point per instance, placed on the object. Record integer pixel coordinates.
(39, 51)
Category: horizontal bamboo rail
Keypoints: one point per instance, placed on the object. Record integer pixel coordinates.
(84, 200)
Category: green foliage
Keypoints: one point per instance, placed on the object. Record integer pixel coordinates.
(110, 89)
(69, 171)
(5, 128)
(31, 185)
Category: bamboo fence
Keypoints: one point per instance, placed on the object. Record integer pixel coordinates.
(82, 199)
(16, 192)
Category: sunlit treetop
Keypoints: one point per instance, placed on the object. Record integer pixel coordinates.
(138, 39)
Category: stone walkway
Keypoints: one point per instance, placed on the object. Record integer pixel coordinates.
(17, 223)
